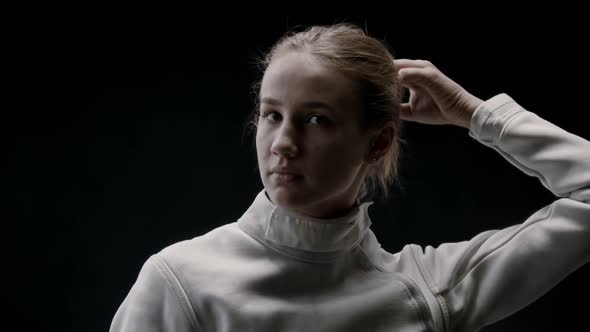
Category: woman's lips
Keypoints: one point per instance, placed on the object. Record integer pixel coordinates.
(286, 178)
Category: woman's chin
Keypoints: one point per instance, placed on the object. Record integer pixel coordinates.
(288, 197)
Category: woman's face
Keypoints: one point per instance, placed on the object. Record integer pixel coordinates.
(308, 124)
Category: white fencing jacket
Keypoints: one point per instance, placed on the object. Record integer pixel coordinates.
(277, 270)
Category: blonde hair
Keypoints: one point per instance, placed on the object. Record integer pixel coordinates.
(347, 48)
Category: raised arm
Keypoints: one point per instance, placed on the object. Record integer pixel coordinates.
(495, 274)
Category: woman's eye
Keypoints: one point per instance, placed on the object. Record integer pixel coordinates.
(320, 119)
(272, 115)
(268, 114)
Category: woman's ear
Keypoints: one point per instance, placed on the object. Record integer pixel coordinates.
(380, 143)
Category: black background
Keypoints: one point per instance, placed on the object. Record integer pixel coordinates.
(125, 136)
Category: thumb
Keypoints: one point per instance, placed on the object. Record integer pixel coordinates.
(428, 79)
(416, 77)
(405, 112)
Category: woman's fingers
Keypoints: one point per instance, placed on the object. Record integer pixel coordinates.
(420, 73)
(415, 76)
(434, 97)
(409, 63)
(428, 79)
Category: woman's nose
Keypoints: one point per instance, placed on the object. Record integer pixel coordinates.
(286, 143)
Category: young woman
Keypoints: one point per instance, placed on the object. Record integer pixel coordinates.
(303, 257)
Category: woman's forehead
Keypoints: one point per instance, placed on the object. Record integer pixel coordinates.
(295, 78)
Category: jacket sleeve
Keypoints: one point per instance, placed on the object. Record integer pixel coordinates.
(498, 272)
(155, 303)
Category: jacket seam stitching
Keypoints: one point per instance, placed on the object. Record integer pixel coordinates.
(433, 289)
(413, 303)
(176, 286)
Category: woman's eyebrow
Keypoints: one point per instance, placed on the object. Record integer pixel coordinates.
(307, 104)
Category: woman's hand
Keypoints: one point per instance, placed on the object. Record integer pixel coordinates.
(434, 98)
